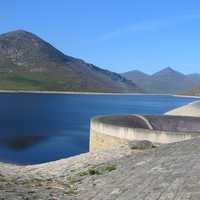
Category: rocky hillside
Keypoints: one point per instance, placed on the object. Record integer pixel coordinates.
(167, 80)
(29, 63)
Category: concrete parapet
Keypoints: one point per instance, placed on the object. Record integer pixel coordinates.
(106, 131)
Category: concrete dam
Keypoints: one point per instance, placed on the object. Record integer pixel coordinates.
(106, 131)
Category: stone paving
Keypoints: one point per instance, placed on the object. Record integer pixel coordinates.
(167, 172)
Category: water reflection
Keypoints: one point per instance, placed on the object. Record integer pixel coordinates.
(19, 143)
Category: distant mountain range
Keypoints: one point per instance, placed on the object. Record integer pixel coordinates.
(167, 80)
(29, 63)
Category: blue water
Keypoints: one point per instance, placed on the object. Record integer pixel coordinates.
(36, 128)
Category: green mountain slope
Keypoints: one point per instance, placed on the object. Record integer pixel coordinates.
(29, 63)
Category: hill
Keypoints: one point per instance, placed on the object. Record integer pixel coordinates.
(29, 63)
(195, 91)
(167, 80)
(194, 77)
(136, 75)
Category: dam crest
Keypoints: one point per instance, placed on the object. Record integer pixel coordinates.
(109, 130)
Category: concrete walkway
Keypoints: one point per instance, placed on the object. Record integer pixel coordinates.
(169, 172)
(192, 109)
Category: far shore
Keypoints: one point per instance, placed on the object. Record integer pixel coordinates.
(91, 93)
(186, 96)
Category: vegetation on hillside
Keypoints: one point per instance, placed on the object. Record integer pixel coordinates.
(29, 63)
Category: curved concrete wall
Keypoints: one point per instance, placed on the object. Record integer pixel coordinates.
(106, 131)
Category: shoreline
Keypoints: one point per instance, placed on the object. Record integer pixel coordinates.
(107, 174)
(91, 93)
(84, 93)
(77, 155)
(186, 96)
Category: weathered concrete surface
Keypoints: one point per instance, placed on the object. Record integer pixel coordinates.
(169, 172)
(55, 180)
(106, 131)
(192, 109)
(172, 123)
(103, 141)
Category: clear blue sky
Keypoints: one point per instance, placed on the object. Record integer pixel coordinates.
(119, 35)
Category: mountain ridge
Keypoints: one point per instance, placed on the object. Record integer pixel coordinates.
(166, 80)
(27, 62)
(166, 71)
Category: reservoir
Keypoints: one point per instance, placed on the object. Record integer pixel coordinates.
(37, 128)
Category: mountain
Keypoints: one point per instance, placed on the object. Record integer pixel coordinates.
(142, 79)
(195, 91)
(167, 80)
(171, 81)
(135, 75)
(167, 73)
(29, 63)
(194, 77)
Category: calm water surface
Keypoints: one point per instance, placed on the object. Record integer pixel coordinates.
(37, 128)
